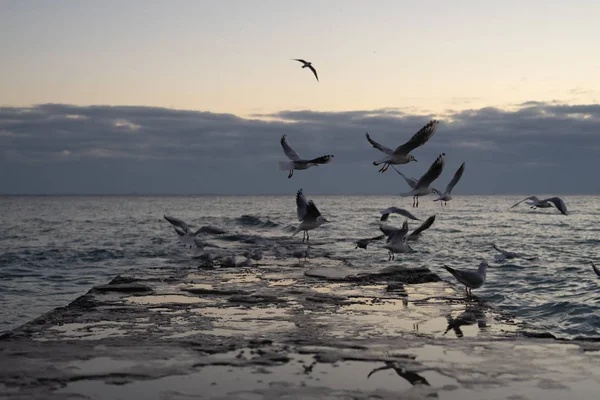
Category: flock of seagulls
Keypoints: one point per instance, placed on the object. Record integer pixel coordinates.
(396, 239)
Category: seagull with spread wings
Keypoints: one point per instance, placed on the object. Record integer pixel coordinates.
(416, 234)
(422, 186)
(297, 162)
(402, 153)
(308, 214)
(396, 242)
(546, 203)
(446, 197)
(412, 182)
(308, 64)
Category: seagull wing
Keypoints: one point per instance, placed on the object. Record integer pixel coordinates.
(419, 138)
(177, 223)
(378, 146)
(432, 173)
(301, 205)
(596, 270)
(457, 175)
(398, 235)
(470, 277)
(322, 160)
(401, 211)
(289, 152)
(425, 225)
(436, 191)
(312, 212)
(534, 198)
(410, 181)
(179, 231)
(558, 203)
(299, 59)
(314, 72)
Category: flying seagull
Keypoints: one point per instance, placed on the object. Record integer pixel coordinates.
(186, 236)
(546, 203)
(401, 154)
(298, 162)
(446, 196)
(508, 255)
(412, 182)
(309, 65)
(385, 228)
(363, 243)
(471, 279)
(401, 211)
(396, 242)
(416, 234)
(422, 186)
(308, 214)
(596, 270)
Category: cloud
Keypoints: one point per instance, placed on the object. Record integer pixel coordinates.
(535, 147)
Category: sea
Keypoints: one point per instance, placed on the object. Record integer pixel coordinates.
(56, 248)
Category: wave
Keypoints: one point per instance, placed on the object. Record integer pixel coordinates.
(253, 220)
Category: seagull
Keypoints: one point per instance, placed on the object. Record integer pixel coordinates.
(422, 186)
(471, 279)
(508, 255)
(546, 203)
(596, 270)
(416, 234)
(401, 154)
(296, 161)
(401, 211)
(363, 243)
(309, 65)
(412, 182)
(186, 236)
(396, 242)
(385, 228)
(457, 175)
(308, 214)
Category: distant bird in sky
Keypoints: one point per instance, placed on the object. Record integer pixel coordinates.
(446, 197)
(308, 214)
(298, 162)
(401, 154)
(309, 65)
(422, 186)
(546, 203)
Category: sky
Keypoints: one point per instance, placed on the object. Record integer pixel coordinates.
(193, 96)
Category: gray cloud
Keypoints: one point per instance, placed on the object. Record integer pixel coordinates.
(58, 148)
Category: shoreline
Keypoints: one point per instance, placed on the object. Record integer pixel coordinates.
(316, 330)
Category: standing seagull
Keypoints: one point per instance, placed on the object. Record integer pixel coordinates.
(422, 186)
(412, 182)
(457, 175)
(309, 65)
(298, 162)
(471, 279)
(546, 203)
(309, 215)
(401, 154)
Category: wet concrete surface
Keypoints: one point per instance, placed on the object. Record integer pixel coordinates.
(291, 330)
